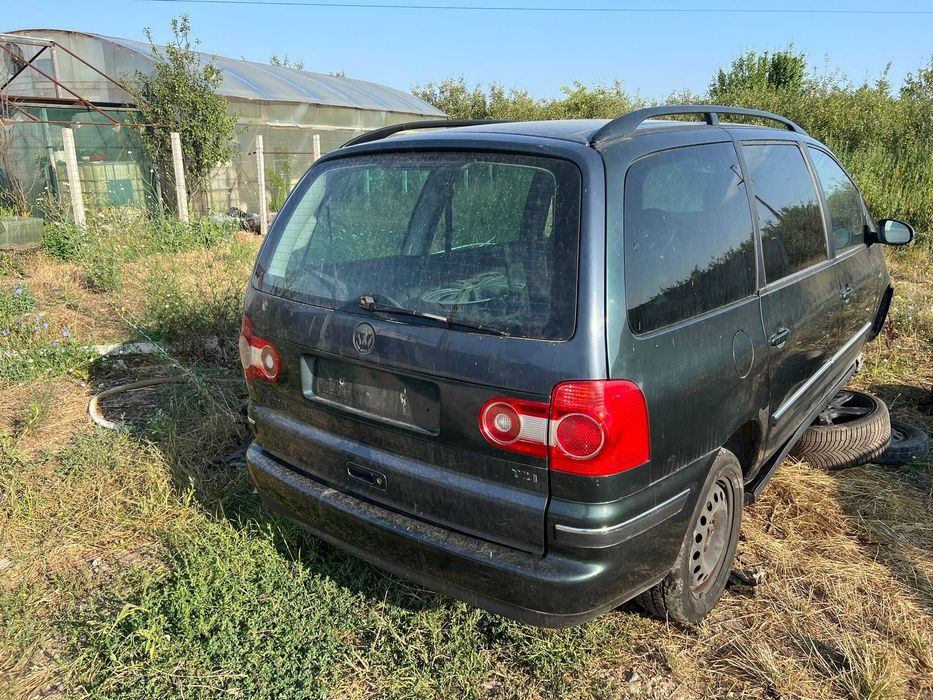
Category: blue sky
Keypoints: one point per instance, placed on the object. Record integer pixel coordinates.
(651, 53)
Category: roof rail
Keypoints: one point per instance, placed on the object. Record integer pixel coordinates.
(386, 131)
(627, 123)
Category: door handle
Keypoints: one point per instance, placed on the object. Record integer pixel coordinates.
(846, 294)
(780, 337)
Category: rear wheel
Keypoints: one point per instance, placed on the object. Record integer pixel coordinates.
(853, 429)
(699, 577)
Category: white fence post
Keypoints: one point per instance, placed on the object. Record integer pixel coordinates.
(316, 140)
(261, 172)
(179, 166)
(74, 179)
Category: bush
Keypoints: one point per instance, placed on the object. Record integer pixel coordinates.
(168, 235)
(119, 234)
(101, 266)
(63, 240)
(198, 312)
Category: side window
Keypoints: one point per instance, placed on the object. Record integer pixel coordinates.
(688, 235)
(846, 215)
(788, 209)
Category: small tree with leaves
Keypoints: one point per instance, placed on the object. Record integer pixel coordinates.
(181, 95)
(779, 70)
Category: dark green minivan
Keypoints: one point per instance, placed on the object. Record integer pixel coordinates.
(542, 366)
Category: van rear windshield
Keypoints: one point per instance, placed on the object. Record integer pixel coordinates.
(485, 239)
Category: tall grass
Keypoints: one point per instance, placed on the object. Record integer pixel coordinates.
(115, 235)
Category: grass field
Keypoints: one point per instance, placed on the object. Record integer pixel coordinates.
(134, 566)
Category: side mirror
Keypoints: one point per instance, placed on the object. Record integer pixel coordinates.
(894, 232)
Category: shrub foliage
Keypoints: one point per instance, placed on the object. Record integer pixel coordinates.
(181, 94)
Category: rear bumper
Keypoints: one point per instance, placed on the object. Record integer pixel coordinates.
(557, 590)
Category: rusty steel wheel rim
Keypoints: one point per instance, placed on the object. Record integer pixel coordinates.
(710, 538)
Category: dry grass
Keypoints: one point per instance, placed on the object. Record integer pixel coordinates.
(64, 295)
(42, 415)
(833, 619)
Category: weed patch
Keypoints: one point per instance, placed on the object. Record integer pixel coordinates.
(31, 346)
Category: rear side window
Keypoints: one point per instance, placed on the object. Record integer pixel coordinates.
(788, 209)
(688, 235)
(478, 238)
(846, 215)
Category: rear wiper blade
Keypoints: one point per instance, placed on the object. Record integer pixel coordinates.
(369, 303)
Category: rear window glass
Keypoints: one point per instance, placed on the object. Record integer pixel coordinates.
(484, 239)
(789, 216)
(688, 234)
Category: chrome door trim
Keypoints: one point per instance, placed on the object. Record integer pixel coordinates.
(826, 366)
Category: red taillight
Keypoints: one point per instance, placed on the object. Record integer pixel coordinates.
(515, 425)
(579, 436)
(259, 357)
(592, 428)
(598, 428)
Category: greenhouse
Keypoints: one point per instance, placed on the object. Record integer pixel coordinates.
(54, 78)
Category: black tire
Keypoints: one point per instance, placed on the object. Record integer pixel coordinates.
(695, 584)
(853, 429)
(909, 444)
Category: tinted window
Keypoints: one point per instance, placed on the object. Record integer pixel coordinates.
(479, 238)
(688, 235)
(788, 209)
(846, 216)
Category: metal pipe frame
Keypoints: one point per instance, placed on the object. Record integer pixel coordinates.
(59, 84)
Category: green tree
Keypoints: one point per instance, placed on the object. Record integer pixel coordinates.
(459, 101)
(454, 98)
(181, 95)
(919, 85)
(780, 70)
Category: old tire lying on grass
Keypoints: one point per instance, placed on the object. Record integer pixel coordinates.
(909, 444)
(853, 429)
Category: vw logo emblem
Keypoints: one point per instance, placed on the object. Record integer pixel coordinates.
(364, 338)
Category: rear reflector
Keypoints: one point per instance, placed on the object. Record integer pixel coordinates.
(598, 428)
(591, 428)
(259, 357)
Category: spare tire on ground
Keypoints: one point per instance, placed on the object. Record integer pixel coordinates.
(853, 429)
(909, 444)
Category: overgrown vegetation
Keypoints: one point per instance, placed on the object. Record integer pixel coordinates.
(182, 96)
(115, 235)
(32, 346)
(280, 184)
(881, 133)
